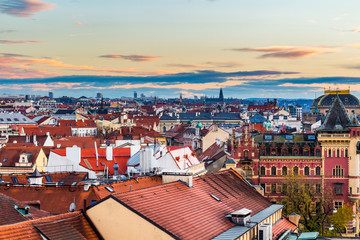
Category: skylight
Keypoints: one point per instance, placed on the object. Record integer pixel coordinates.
(5, 159)
(48, 178)
(214, 197)
(109, 189)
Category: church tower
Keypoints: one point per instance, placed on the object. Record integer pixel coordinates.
(221, 96)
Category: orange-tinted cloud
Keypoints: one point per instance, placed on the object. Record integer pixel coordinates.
(18, 42)
(186, 65)
(133, 58)
(288, 52)
(24, 8)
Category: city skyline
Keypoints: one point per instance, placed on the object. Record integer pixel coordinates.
(194, 47)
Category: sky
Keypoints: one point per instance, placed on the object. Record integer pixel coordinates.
(164, 48)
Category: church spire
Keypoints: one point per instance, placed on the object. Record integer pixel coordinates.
(221, 96)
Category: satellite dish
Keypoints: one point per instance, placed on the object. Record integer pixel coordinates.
(107, 143)
(72, 207)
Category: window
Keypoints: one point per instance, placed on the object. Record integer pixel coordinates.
(284, 152)
(337, 153)
(317, 171)
(262, 152)
(307, 171)
(318, 188)
(16, 119)
(284, 188)
(273, 188)
(338, 188)
(263, 185)
(307, 187)
(14, 179)
(248, 171)
(8, 119)
(306, 152)
(337, 204)
(262, 170)
(296, 152)
(318, 152)
(273, 152)
(273, 170)
(329, 155)
(318, 207)
(109, 189)
(346, 153)
(338, 171)
(296, 170)
(284, 171)
(48, 178)
(246, 154)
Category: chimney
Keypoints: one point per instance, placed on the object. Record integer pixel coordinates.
(241, 217)
(294, 218)
(109, 153)
(116, 169)
(218, 141)
(35, 178)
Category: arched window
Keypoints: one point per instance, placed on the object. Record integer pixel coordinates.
(296, 152)
(284, 171)
(273, 170)
(262, 170)
(262, 152)
(273, 152)
(337, 153)
(317, 171)
(164, 129)
(346, 153)
(284, 152)
(318, 152)
(296, 170)
(307, 171)
(246, 154)
(329, 155)
(306, 152)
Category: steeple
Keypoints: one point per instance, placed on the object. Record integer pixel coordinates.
(221, 96)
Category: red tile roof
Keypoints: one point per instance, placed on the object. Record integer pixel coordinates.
(128, 185)
(282, 226)
(12, 155)
(83, 142)
(78, 123)
(64, 226)
(9, 215)
(192, 212)
(42, 130)
(52, 199)
(88, 159)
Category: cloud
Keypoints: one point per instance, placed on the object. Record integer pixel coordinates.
(186, 65)
(18, 61)
(18, 42)
(289, 52)
(133, 58)
(78, 23)
(24, 8)
(224, 64)
(7, 31)
(187, 94)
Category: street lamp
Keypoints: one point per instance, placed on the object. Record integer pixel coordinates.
(334, 210)
(332, 228)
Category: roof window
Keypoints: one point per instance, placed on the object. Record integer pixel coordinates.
(48, 178)
(15, 180)
(109, 189)
(215, 197)
(5, 159)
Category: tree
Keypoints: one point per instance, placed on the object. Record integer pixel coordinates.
(304, 197)
(342, 217)
(104, 132)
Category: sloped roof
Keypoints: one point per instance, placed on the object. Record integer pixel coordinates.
(64, 226)
(11, 155)
(128, 185)
(52, 130)
(9, 215)
(257, 118)
(52, 199)
(194, 211)
(212, 151)
(281, 227)
(337, 118)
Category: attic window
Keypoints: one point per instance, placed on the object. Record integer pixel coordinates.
(74, 183)
(214, 197)
(24, 119)
(48, 178)
(16, 119)
(8, 119)
(1, 119)
(24, 211)
(346, 99)
(14, 179)
(109, 189)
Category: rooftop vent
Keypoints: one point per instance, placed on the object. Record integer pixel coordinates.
(241, 217)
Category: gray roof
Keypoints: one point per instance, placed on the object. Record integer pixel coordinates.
(15, 118)
(237, 231)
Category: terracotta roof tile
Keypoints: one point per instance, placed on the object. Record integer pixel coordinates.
(282, 226)
(9, 215)
(64, 226)
(52, 199)
(128, 185)
(11, 155)
(180, 209)
(52, 130)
